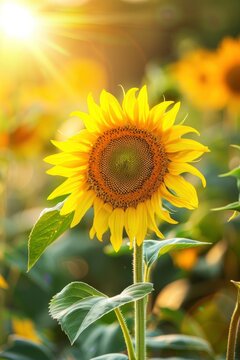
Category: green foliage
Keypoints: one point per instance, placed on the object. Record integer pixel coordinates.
(47, 229)
(153, 249)
(179, 342)
(107, 338)
(25, 350)
(79, 305)
(111, 357)
(235, 205)
(234, 172)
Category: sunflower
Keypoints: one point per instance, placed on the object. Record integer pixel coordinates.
(126, 161)
(228, 66)
(196, 74)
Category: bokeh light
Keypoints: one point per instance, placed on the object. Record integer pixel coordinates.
(17, 21)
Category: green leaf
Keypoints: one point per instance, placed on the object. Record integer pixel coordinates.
(47, 229)
(153, 249)
(178, 342)
(25, 350)
(79, 305)
(234, 172)
(233, 206)
(111, 357)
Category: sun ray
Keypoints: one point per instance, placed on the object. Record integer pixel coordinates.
(51, 69)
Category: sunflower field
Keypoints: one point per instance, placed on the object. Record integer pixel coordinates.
(119, 180)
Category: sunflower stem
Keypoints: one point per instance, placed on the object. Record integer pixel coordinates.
(140, 305)
(233, 329)
(126, 334)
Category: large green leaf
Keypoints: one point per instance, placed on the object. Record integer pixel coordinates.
(47, 229)
(178, 342)
(153, 249)
(25, 350)
(79, 305)
(111, 357)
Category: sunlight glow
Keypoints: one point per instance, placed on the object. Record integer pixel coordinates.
(17, 21)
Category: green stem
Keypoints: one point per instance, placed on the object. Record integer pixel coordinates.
(126, 334)
(140, 305)
(233, 331)
(147, 273)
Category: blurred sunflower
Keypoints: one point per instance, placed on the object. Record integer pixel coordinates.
(28, 115)
(26, 329)
(228, 66)
(185, 259)
(3, 283)
(197, 75)
(127, 160)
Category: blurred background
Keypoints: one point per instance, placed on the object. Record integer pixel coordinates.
(52, 54)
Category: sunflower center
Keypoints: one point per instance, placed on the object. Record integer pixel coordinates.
(124, 162)
(126, 166)
(233, 79)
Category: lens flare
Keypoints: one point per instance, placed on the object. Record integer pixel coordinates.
(17, 21)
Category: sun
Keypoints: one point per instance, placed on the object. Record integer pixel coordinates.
(17, 21)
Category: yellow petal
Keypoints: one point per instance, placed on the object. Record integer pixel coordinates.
(143, 106)
(185, 144)
(61, 158)
(151, 220)
(176, 131)
(71, 147)
(157, 112)
(174, 200)
(84, 137)
(182, 188)
(84, 203)
(142, 223)
(179, 168)
(96, 113)
(116, 224)
(111, 108)
(129, 102)
(101, 217)
(67, 172)
(70, 204)
(165, 215)
(161, 213)
(89, 122)
(131, 224)
(184, 156)
(67, 187)
(170, 116)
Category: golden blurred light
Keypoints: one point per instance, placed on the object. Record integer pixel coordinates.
(17, 21)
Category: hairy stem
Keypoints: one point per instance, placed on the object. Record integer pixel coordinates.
(140, 305)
